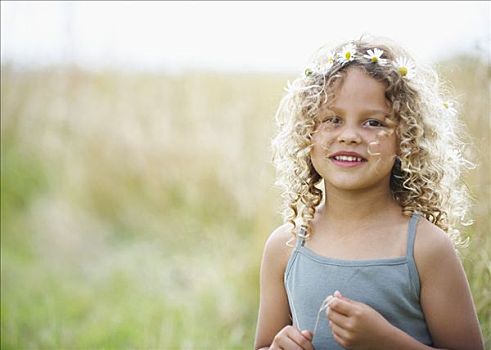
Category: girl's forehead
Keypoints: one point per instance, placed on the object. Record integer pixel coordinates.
(364, 104)
(359, 82)
(356, 90)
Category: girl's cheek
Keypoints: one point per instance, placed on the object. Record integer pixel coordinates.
(322, 139)
(382, 144)
(326, 134)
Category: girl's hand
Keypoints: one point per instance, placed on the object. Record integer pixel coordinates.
(290, 338)
(356, 325)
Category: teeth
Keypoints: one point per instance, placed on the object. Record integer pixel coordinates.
(348, 159)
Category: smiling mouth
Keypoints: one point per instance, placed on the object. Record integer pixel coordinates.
(348, 159)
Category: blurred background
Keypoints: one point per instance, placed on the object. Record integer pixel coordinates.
(136, 182)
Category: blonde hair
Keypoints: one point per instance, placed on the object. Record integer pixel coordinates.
(426, 177)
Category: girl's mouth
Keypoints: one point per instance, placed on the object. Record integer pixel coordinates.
(347, 161)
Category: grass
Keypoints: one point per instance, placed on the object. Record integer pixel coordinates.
(135, 206)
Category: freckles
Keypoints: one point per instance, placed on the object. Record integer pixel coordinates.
(321, 141)
(315, 136)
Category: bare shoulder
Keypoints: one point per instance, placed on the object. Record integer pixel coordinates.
(445, 291)
(274, 310)
(432, 245)
(276, 251)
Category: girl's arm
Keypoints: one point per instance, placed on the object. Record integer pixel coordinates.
(445, 294)
(445, 298)
(274, 324)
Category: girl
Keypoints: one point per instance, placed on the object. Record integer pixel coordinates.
(370, 159)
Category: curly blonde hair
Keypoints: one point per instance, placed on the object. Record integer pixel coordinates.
(427, 175)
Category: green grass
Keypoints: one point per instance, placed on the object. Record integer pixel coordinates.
(135, 206)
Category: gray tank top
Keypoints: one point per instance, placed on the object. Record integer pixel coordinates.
(390, 286)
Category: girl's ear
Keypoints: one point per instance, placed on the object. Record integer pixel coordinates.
(398, 148)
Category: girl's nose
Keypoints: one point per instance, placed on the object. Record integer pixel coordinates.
(349, 135)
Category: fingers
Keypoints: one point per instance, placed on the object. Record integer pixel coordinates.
(342, 306)
(338, 294)
(300, 339)
(307, 334)
(290, 338)
(287, 343)
(339, 334)
(338, 318)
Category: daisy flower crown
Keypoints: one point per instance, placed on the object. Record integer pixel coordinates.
(404, 66)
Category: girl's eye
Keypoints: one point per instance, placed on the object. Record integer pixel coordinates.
(374, 123)
(332, 120)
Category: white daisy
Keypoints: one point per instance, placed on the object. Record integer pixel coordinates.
(375, 56)
(449, 107)
(330, 58)
(405, 67)
(347, 54)
(326, 62)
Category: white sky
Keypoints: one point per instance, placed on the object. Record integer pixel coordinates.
(264, 36)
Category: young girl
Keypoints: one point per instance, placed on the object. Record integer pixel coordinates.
(370, 159)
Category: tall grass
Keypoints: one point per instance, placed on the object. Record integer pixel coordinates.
(135, 206)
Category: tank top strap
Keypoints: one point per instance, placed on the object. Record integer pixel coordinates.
(411, 234)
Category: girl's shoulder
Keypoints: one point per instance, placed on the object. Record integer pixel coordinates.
(431, 245)
(276, 251)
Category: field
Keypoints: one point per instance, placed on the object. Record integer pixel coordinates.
(135, 206)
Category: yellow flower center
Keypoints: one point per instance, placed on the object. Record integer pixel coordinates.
(445, 104)
(374, 59)
(330, 60)
(403, 71)
(347, 55)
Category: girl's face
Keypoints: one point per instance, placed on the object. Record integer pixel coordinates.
(354, 143)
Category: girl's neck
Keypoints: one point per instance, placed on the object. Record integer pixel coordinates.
(354, 207)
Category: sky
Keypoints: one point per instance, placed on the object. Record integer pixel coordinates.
(266, 36)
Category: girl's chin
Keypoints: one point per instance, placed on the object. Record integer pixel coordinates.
(356, 183)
